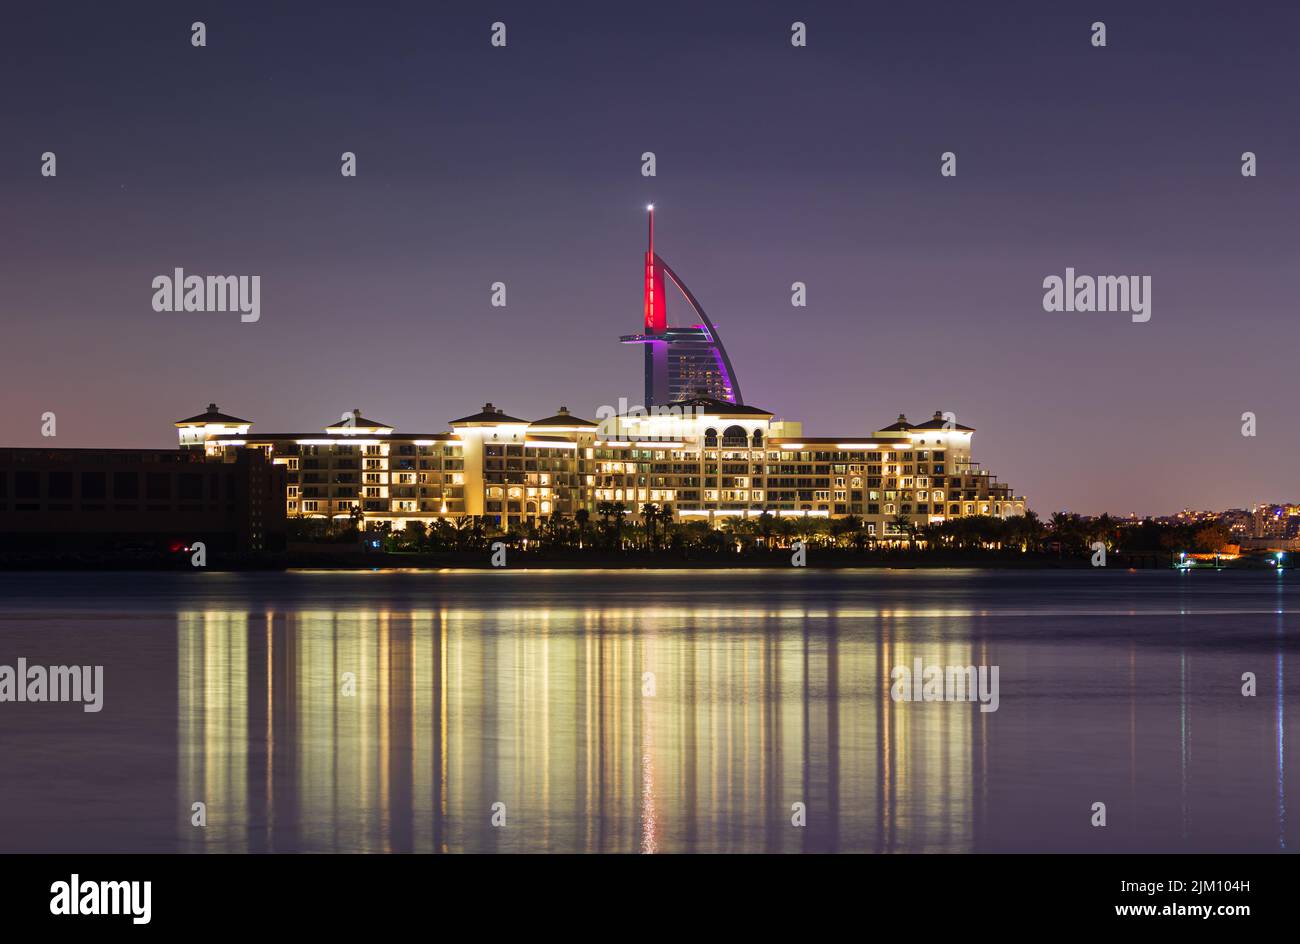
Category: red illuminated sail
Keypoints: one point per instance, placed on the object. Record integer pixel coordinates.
(656, 312)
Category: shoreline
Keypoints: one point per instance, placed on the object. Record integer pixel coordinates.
(327, 558)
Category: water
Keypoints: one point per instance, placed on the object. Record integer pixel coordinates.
(638, 711)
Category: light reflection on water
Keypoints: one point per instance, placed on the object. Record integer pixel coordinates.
(605, 731)
(611, 712)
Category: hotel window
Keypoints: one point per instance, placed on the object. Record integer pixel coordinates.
(309, 506)
(889, 509)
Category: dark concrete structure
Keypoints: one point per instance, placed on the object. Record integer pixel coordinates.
(138, 499)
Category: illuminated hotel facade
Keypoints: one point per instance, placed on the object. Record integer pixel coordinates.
(705, 458)
(696, 447)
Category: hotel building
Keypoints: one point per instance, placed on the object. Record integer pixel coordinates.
(696, 446)
(706, 458)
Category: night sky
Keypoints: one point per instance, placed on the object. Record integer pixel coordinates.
(775, 164)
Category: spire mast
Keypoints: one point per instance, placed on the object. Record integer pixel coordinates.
(656, 318)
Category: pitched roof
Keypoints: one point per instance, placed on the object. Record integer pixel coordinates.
(213, 415)
(563, 418)
(356, 421)
(937, 422)
(703, 404)
(489, 414)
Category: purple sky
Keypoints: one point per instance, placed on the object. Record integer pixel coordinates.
(775, 164)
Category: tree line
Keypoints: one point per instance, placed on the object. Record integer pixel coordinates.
(615, 526)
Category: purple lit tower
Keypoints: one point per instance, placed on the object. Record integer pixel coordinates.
(680, 363)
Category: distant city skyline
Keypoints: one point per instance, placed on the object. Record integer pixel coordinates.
(774, 164)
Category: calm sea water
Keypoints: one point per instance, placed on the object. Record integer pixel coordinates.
(637, 711)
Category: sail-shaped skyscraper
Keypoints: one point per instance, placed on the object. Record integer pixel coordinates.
(682, 362)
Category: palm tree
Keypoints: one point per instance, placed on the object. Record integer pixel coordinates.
(582, 516)
(1067, 530)
(1029, 530)
(666, 520)
(554, 527)
(613, 514)
(807, 527)
(649, 514)
(903, 525)
(844, 528)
